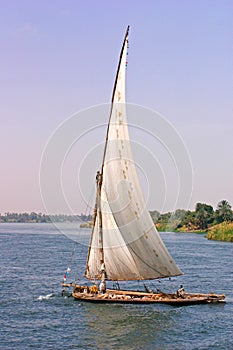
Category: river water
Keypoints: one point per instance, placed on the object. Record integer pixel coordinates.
(34, 315)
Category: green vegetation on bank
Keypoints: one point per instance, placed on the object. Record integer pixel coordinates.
(199, 220)
(221, 232)
(218, 223)
(42, 218)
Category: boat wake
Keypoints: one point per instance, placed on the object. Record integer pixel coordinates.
(45, 297)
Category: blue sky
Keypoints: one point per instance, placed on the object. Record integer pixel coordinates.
(59, 57)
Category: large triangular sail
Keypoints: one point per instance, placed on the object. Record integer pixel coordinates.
(124, 236)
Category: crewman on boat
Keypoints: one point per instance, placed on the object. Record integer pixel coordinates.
(98, 178)
(180, 292)
(102, 285)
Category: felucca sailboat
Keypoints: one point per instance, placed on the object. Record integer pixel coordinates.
(124, 243)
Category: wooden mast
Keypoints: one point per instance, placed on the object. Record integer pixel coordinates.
(92, 233)
(99, 184)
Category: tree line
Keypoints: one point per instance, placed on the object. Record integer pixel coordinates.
(42, 218)
(203, 217)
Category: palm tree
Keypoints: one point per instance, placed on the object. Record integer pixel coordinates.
(224, 212)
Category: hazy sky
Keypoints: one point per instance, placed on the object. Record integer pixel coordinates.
(60, 57)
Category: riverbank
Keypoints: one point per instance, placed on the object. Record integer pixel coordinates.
(171, 227)
(221, 232)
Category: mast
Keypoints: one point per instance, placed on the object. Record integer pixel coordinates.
(97, 210)
(92, 233)
(100, 175)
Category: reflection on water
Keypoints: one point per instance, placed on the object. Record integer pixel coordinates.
(128, 325)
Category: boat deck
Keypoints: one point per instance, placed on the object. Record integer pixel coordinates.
(135, 297)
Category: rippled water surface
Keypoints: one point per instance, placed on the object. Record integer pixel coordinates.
(34, 315)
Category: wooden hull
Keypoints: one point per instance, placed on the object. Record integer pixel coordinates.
(134, 297)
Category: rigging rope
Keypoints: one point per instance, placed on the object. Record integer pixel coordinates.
(69, 264)
(87, 212)
(88, 206)
(75, 243)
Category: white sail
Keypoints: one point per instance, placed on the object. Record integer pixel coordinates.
(132, 247)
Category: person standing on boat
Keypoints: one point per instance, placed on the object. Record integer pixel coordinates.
(180, 292)
(102, 286)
